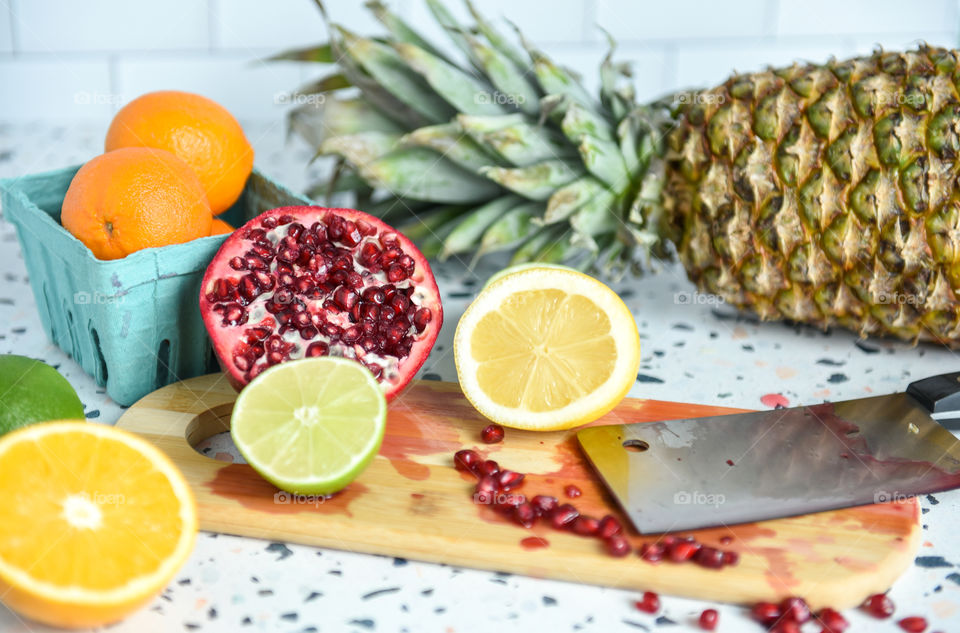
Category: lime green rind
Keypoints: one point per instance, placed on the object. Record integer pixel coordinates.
(32, 391)
(341, 442)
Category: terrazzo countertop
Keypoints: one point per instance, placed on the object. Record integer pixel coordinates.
(694, 350)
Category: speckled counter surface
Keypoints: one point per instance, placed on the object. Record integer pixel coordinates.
(693, 351)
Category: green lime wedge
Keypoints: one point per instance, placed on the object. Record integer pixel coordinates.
(310, 426)
(509, 270)
(32, 391)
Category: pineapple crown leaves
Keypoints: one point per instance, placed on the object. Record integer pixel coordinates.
(502, 150)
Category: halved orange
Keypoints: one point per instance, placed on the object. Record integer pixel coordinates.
(95, 522)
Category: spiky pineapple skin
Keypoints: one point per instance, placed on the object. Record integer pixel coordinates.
(826, 194)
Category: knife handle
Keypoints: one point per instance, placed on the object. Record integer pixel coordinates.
(938, 394)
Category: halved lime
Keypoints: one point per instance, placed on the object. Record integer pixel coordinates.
(310, 426)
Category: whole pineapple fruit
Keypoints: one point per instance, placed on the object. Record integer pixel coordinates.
(824, 194)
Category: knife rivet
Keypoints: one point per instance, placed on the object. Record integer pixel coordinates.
(913, 428)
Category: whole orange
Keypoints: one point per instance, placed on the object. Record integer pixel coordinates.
(197, 130)
(135, 198)
(219, 227)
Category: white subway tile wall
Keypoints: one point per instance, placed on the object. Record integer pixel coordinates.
(64, 60)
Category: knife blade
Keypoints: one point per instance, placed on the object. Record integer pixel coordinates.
(723, 470)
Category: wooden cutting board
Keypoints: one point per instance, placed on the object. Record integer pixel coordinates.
(411, 502)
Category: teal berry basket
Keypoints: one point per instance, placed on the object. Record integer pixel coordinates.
(133, 323)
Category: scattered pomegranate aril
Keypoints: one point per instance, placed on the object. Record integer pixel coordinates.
(491, 434)
(766, 613)
(652, 552)
(832, 621)
(709, 557)
(682, 551)
(509, 479)
(879, 605)
(572, 492)
(649, 603)
(585, 526)
(708, 619)
(562, 516)
(525, 514)
(486, 490)
(544, 504)
(466, 461)
(488, 467)
(731, 558)
(913, 624)
(795, 609)
(785, 626)
(608, 527)
(617, 546)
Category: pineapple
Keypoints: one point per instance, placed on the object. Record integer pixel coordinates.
(823, 194)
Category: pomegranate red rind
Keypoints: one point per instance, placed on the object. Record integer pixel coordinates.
(312, 281)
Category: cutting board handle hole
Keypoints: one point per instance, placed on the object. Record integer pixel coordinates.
(635, 446)
(209, 423)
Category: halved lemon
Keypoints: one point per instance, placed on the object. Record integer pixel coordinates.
(546, 349)
(310, 426)
(95, 522)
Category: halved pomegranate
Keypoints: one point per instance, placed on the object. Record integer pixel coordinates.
(311, 281)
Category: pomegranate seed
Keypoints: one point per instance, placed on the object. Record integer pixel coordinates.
(237, 263)
(488, 467)
(668, 540)
(786, 626)
(509, 480)
(563, 516)
(233, 314)
(374, 295)
(345, 297)
(286, 218)
(308, 332)
(617, 546)
(366, 228)
(485, 490)
(295, 230)
(879, 605)
(652, 552)
(913, 624)
(650, 603)
(269, 222)
(389, 239)
(731, 558)
(571, 491)
(317, 349)
(608, 527)
(544, 503)
(795, 609)
(421, 318)
(585, 526)
(242, 361)
(525, 514)
(396, 273)
(682, 551)
(832, 621)
(491, 434)
(466, 461)
(708, 619)
(351, 334)
(766, 613)
(710, 557)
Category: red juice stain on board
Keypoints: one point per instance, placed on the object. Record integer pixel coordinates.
(411, 432)
(534, 542)
(242, 484)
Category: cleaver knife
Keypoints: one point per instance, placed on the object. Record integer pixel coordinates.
(729, 469)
